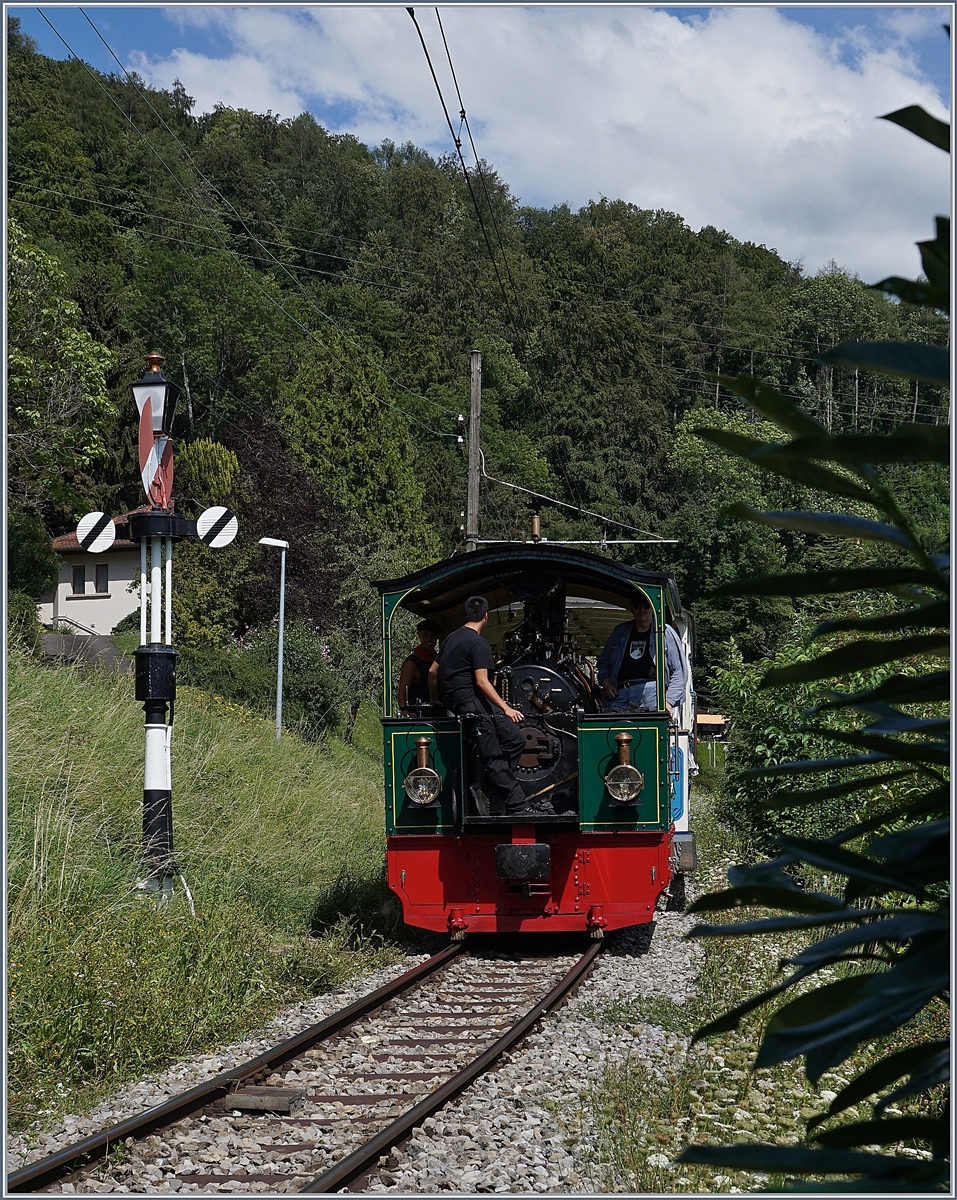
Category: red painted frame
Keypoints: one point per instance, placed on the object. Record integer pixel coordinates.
(604, 880)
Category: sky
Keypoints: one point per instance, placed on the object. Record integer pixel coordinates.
(759, 120)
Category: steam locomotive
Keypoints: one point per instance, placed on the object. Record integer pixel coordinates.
(618, 782)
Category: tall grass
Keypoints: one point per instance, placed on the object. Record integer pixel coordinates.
(281, 845)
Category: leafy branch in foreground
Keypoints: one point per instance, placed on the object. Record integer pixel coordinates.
(888, 935)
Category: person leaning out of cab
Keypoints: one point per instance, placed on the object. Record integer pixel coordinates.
(414, 677)
(627, 669)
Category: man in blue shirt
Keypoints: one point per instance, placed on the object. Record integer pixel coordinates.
(627, 669)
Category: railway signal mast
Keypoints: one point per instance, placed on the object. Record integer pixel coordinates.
(156, 530)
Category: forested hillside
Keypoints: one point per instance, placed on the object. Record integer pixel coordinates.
(317, 299)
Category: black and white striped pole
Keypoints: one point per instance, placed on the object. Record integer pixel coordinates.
(155, 398)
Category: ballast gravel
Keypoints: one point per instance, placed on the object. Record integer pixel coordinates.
(510, 1132)
(146, 1093)
(522, 1128)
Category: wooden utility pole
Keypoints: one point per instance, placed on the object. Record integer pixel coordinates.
(475, 428)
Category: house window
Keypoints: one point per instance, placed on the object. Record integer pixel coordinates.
(79, 581)
(103, 578)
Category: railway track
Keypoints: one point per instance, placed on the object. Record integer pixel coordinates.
(316, 1112)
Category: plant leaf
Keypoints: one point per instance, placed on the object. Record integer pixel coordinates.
(732, 1019)
(906, 443)
(935, 616)
(778, 460)
(885, 1132)
(814, 764)
(778, 924)
(829, 857)
(918, 121)
(770, 403)
(906, 360)
(935, 255)
(796, 799)
(930, 804)
(824, 583)
(905, 689)
(894, 929)
(824, 523)
(825, 1025)
(792, 899)
(880, 1075)
(857, 656)
(934, 1071)
(932, 837)
(796, 1158)
(912, 291)
(916, 752)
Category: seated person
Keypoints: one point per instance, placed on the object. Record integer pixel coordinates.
(460, 678)
(627, 669)
(414, 677)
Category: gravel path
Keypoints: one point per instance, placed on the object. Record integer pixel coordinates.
(522, 1128)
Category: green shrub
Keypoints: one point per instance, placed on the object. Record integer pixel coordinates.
(23, 625)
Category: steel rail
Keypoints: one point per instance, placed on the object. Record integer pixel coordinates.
(363, 1160)
(56, 1166)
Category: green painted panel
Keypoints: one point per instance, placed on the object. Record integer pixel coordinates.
(598, 753)
(401, 815)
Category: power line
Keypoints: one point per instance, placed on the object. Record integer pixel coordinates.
(458, 147)
(562, 503)
(325, 316)
(272, 300)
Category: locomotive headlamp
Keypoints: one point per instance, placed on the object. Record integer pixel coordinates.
(623, 781)
(423, 783)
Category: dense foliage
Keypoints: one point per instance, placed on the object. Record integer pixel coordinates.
(318, 298)
(883, 955)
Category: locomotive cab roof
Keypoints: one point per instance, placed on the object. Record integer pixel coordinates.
(597, 589)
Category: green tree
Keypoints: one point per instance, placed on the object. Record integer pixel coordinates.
(56, 383)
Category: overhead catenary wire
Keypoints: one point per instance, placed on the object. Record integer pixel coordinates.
(351, 279)
(563, 504)
(458, 148)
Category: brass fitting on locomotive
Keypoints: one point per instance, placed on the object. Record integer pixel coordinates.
(624, 782)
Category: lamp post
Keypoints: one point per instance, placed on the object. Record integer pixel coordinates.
(283, 546)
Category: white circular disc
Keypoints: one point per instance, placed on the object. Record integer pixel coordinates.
(96, 532)
(217, 526)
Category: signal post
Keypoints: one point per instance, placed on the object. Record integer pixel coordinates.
(156, 531)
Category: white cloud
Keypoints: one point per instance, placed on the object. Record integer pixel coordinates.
(743, 119)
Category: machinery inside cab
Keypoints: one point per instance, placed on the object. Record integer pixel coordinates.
(616, 782)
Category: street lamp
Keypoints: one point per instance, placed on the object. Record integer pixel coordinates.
(283, 546)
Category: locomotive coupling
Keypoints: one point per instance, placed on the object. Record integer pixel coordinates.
(458, 926)
(595, 921)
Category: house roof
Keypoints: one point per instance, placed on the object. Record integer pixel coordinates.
(69, 543)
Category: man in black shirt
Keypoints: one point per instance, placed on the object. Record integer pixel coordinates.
(460, 679)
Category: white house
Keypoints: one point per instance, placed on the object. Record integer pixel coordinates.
(93, 590)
